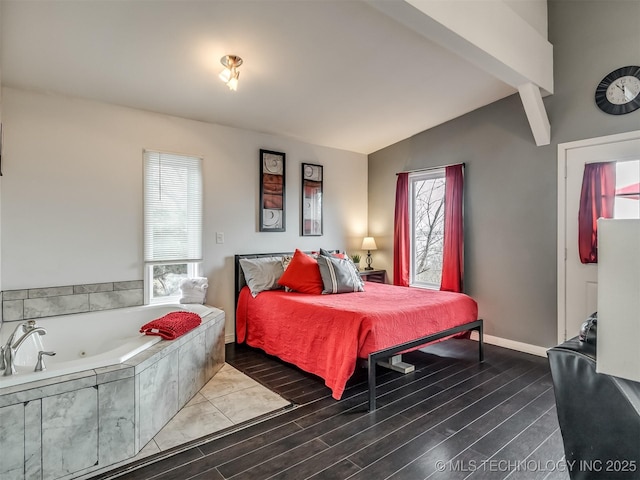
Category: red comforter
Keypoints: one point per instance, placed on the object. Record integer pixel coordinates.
(325, 334)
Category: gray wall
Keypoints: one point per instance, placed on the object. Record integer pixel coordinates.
(511, 185)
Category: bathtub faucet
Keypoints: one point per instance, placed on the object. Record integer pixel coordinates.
(11, 348)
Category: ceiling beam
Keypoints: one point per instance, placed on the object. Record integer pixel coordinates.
(491, 36)
(536, 113)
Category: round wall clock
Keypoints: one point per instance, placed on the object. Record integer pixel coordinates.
(619, 92)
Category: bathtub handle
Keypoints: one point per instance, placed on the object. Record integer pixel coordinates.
(40, 366)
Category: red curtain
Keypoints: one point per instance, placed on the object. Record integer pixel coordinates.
(401, 232)
(596, 200)
(452, 255)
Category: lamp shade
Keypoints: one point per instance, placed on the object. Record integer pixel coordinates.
(369, 244)
(618, 351)
(233, 83)
(225, 75)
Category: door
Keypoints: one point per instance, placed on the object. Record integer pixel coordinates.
(578, 283)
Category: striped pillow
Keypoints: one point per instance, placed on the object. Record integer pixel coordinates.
(339, 275)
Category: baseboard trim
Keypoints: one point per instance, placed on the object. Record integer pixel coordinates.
(512, 344)
(229, 338)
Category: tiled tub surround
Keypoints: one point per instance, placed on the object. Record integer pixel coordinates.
(75, 424)
(86, 340)
(35, 303)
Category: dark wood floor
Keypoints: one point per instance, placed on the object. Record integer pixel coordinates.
(452, 418)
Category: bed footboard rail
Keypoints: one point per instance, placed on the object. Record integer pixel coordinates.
(387, 352)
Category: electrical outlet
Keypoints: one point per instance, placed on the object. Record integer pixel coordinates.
(219, 237)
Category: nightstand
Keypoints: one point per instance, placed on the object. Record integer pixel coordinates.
(377, 276)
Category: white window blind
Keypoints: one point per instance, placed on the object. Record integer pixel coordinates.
(172, 207)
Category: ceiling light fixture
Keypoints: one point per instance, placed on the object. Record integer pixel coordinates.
(230, 74)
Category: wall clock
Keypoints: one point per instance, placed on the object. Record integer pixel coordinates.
(619, 92)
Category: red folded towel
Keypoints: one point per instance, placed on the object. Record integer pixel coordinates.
(172, 325)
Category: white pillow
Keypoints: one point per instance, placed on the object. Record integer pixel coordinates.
(262, 273)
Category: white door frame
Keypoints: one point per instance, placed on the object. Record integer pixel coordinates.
(563, 152)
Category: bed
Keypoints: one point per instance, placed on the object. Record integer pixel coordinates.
(326, 334)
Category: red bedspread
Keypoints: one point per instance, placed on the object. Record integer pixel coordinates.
(325, 334)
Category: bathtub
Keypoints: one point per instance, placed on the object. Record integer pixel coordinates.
(85, 341)
(111, 397)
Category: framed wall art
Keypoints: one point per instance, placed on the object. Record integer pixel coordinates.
(311, 210)
(272, 191)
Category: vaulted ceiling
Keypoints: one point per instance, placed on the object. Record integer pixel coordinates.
(355, 75)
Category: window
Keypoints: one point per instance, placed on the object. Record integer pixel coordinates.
(172, 223)
(426, 216)
(627, 200)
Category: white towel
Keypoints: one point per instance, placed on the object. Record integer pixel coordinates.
(192, 299)
(197, 283)
(194, 290)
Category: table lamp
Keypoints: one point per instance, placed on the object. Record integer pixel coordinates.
(369, 244)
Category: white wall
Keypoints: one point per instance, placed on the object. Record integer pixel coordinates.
(71, 197)
(534, 12)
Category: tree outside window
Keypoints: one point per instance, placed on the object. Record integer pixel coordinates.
(167, 279)
(426, 196)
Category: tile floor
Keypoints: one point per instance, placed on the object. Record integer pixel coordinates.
(228, 399)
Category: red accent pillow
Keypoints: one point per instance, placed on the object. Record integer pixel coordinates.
(302, 274)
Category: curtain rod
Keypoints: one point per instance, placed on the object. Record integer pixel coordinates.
(426, 169)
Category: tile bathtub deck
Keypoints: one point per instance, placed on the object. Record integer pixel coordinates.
(230, 398)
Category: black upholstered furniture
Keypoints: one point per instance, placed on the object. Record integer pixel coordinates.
(599, 414)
